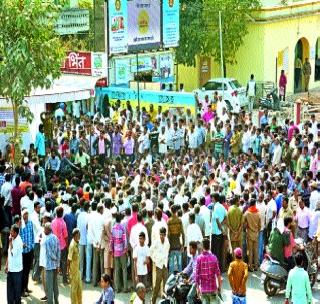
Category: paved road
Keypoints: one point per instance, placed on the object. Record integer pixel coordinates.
(255, 293)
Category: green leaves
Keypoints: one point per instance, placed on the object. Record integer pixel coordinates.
(199, 30)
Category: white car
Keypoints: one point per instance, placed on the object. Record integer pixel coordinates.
(233, 92)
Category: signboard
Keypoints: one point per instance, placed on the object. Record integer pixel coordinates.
(166, 67)
(170, 28)
(122, 69)
(6, 121)
(144, 64)
(73, 21)
(118, 26)
(99, 64)
(168, 100)
(77, 63)
(143, 24)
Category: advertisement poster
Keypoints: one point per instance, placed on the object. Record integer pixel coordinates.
(144, 64)
(122, 71)
(144, 23)
(170, 12)
(99, 64)
(118, 26)
(166, 67)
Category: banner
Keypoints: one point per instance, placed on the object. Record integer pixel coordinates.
(144, 23)
(99, 64)
(7, 121)
(118, 26)
(144, 64)
(77, 63)
(166, 66)
(122, 70)
(170, 21)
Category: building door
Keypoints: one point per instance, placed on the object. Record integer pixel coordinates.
(204, 70)
(301, 52)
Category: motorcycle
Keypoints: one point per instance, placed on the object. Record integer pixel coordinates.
(274, 275)
(270, 102)
(176, 290)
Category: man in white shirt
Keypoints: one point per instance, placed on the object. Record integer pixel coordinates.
(276, 159)
(136, 230)
(35, 219)
(193, 231)
(205, 212)
(261, 206)
(271, 214)
(159, 253)
(95, 228)
(14, 266)
(27, 202)
(6, 193)
(141, 255)
(314, 196)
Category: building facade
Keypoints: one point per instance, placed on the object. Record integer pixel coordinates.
(280, 35)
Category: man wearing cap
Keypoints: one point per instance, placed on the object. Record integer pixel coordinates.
(238, 275)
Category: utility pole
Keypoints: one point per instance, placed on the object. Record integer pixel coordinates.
(221, 53)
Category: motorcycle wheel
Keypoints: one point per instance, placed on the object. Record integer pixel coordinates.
(268, 288)
(313, 279)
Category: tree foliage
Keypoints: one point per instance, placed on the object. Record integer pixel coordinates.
(199, 29)
(31, 52)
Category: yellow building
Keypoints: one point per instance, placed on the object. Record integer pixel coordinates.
(278, 34)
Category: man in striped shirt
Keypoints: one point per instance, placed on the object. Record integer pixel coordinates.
(207, 271)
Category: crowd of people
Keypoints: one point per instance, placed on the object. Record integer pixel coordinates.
(125, 197)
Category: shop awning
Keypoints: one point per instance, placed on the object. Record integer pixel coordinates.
(66, 88)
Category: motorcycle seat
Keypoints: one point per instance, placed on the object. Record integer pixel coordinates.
(272, 259)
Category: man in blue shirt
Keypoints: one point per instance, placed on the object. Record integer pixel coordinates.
(218, 219)
(264, 120)
(27, 237)
(190, 271)
(53, 262)
(40, 142)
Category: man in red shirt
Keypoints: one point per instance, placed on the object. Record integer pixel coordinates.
(16, 195)
(26, 182)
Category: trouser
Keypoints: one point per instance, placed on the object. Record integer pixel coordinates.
(52, 286)
(120, 268)
(306, 82)
(175, 255)
(297, 73)
(302, 233)
(88, 262)
(97, 265)
(251, 102)
(14, 280)
(253, 253)
(244, 246)
(27, 263)
(217, 248)
(76, 289)
(43, 276)
(161, 276)
(82, 250)
(209, 298)
(63, 264)
(36, 273)
(236, 299)
(235, 244)
(191, 294)
(261, 246)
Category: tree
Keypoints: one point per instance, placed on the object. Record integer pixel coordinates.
(32, 55)
(200, 26)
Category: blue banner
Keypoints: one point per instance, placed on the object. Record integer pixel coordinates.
(171, 33)
(118, 26)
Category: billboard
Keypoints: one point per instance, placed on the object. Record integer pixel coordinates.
(118, 26)
(144, 24)
(73, 21)
(122, 71)
(99, 64)
(170, 28)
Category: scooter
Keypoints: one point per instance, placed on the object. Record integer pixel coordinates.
(274, 275)
(176, 290)
(271, 102)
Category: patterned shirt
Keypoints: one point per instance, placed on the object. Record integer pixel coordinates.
(52, 252)
(207, 269)
(218, 145)
(118, 243)
(27, 237)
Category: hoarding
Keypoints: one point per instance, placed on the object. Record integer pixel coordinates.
(144, 24)
(99, 64)
(122, 71)
(118, 26)
(73, 21)
(170, 21)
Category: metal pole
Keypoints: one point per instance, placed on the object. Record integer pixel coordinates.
(138, 86)
(221, 53)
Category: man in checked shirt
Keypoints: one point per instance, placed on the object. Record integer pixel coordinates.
(207, 273)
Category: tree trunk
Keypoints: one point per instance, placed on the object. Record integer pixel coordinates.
(16, 139)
